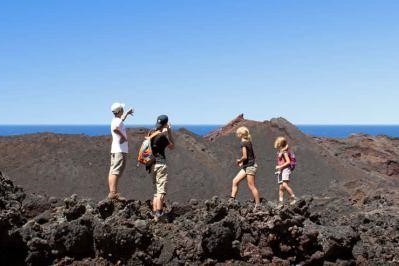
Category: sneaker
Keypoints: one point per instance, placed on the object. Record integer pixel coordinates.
(159, 216)
(280, 205)
(232, 200)
(116, 196)
(293, 200)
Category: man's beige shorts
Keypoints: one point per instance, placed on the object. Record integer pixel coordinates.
(118, 163)
(160, 178)
(251, 170)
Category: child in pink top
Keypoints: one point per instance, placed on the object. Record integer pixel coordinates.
(283, 170)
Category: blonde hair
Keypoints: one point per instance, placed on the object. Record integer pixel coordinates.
(281, 143)
(243, 132)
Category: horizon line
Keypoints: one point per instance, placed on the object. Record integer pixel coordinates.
(206, 124)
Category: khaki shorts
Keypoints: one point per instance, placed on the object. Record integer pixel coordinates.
(251, 170)
(118, 163)
(284, 176)
(159, 178)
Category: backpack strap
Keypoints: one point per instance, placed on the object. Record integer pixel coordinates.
(154, 134)
(286, 152)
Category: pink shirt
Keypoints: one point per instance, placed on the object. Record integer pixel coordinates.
(281, 158)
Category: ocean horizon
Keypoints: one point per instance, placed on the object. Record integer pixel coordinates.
(332, 131)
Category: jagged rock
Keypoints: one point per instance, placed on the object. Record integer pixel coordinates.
(35, 204)
(74, 212)
(217, 241)
(12, 248)
(74, 239)
(216, 214)
(105, 208)
(225, 130)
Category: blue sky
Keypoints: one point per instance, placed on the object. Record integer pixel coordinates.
(200, 62)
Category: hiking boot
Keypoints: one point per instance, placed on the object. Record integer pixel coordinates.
(116, 196)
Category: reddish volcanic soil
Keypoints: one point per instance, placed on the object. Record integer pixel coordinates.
(61, 165)
(347, 214)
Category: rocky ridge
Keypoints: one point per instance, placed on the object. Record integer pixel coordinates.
(36, 230)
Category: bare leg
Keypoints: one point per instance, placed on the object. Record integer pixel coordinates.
(113, 183)
(239, 177)
(281, 193)
(159, 202)
(288, 188)
(252, 187)
(154, 203)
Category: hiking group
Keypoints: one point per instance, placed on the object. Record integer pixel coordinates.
(285, 164)
(152, 155)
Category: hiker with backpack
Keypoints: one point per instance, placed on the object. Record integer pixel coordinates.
(160, 139)
(285, 165)
(119, 149)
(247, 164)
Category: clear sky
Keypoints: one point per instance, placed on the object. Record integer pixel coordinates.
(199, 61)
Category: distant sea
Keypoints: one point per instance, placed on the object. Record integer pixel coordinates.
(91, 130)
(333, 131)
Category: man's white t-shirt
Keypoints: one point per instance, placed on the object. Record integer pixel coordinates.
(116, 146)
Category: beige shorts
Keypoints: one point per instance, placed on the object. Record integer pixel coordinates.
(284, 176)
(251, 170)
(118, 163)
(159, 178)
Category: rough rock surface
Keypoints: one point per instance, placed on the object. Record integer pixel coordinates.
(378, 158)
(80, 231)
(378, 155)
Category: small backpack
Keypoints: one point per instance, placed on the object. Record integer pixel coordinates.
(146, 156)
(292, 157)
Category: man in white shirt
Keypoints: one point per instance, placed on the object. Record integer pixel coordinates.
(119, 149)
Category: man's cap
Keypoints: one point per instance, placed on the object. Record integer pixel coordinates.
(161, 121)
(117, 107)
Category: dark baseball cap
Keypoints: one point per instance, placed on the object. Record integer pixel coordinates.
(161, 121)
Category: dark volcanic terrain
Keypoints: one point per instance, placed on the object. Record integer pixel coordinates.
(62, 165)
(348, 212)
